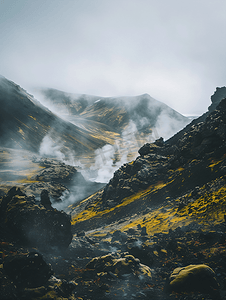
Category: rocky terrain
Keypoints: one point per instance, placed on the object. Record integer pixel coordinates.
(157, 230)
(33, 173)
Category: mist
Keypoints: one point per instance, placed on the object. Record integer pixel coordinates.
(109, 158)
(172, 50)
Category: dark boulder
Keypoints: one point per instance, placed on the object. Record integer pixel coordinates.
(45, 200)
(27, 270)
(34, 224)
(193, 278)
(120, 265)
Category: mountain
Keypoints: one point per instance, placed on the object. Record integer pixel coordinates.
(25, 123)
(133, 121)
(157, 230)
(117, 113)
(85, 123)
(27, 127)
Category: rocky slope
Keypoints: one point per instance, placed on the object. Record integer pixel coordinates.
(25, 122)
(169, 186)
(155, 231)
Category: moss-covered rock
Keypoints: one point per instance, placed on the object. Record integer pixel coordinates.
(193, 278)
(119, 265)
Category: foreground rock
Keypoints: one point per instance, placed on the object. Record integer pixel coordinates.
(194, 278)
(27, 270)
(119, 266)
(34, 224)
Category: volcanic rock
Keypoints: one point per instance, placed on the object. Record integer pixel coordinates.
(216, 98)
(58, 172)
(45, 200)
(193, 278)
(158, 160)
(119, 265)
(56, 190)
(27, 270)
(33, 223)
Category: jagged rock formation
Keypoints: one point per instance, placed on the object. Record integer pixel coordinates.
(216, 98)
(34, 224)
(158, 160)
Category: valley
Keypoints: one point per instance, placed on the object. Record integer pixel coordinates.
(127, 212)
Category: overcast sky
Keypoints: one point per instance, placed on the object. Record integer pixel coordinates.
(174, 50)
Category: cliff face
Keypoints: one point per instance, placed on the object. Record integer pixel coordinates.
(216, 98)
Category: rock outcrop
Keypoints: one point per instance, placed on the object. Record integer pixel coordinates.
(120, 266)
(34, 224)
(158, 160)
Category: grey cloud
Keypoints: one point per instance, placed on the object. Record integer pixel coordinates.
(173, 50)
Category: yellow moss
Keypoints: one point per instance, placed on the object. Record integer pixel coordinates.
(20, 130)
(50, 295)
(209, 208)
(181, 276)
(180, 169)
(214, 163)
(93, 212)
(164, 251)
(205, 210)
(32, 118)
(157, 221)
(145, 270)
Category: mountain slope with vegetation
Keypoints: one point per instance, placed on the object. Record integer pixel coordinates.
(117, 113)
(25, 123)
(157, 230)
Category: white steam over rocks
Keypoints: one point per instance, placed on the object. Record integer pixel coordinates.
(138, 120)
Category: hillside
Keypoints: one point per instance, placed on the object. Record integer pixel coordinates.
(117, 113)
(131, 121)
(25, 123)
(156, 231)
(171, 187)
(163, 173)
(29, 129)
